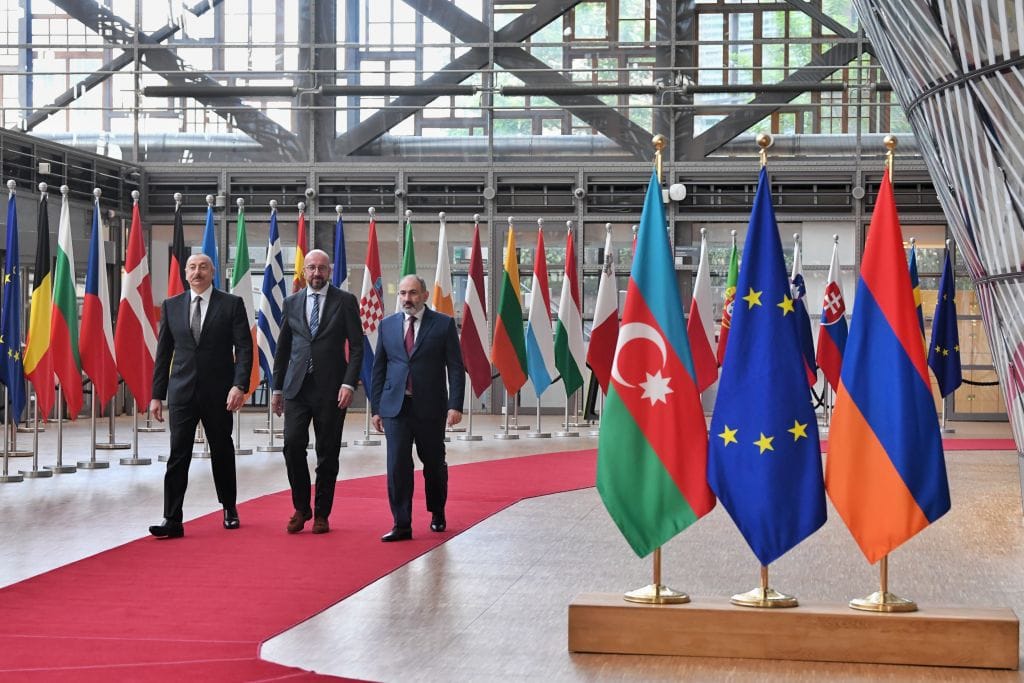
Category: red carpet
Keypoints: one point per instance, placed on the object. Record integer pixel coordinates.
(199, 607)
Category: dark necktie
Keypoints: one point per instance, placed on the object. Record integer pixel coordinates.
(197, 319)
(314, 316)
(410, 340)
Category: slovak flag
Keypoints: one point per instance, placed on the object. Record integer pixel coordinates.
(833, 330)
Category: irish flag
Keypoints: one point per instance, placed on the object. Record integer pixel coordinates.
(241, 285)
(508, 350)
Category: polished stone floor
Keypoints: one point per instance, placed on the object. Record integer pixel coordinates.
(491, 604)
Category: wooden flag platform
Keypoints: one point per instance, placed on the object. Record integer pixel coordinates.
(713, 627)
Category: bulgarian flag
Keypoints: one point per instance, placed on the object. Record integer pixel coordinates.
(241, 286)
(64, 315)
(652, 448)
(508, 350)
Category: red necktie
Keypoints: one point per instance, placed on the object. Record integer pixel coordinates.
(410, 340)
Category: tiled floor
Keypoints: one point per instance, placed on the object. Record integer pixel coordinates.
(491, 604)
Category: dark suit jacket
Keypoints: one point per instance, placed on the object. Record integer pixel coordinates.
(339, 322)
(221, 359)
(436, 350)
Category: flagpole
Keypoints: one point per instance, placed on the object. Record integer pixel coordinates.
(537, 433)
(883, 600)
(60, 467)
(135, 459)
(469, 435)
(7, 478)
(271, 447)
(35, 472)
(505, 434)
(111, 445)
(763, 595)
(92, 463)
(366, 440)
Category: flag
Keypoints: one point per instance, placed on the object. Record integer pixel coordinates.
(833, 331)
(540, 350)
(764, 460)
(474, 322)
(569, 356)
(944, 352)
(605, 331)
(885, 471)
(210, 245)
(371, 303)
(339, 275)
(441, 297)
(176, 269)
(272, 293)
(64, 318)
(301, 249)
(408, 256)
(652, 448)
(798, 291)
(96, 342)
(508, 348)
(729, 298)
(135, 337)
(915, 284)
(38, 338)
(241, 286)
(700, 325)
(11, 367)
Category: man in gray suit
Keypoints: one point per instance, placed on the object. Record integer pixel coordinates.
(314, 379)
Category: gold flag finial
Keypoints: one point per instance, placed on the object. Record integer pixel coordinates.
(659, 141)
(890, 143)
(764, 141)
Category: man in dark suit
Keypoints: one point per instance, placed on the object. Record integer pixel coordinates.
(415, 348)
(202, 366)
(314, 381)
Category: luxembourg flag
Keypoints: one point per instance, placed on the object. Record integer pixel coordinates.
(833, 330)
(540, 346)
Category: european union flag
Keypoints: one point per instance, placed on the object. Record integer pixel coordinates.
(944, 351)
(764, 457)
(11, 364)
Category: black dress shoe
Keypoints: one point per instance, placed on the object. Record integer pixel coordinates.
(167, 529)
(438, 523)
(397, 534)
(231, 517)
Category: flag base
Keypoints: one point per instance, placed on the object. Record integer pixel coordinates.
(565, 434)
(883, 601)
(243, 451)
(135, 461)
(113, 446)
(469, 437)
(93, 464)
(152, 429)
(270, 449)
(763, 597)
(506, 436)
(366, 442)
(36, 474)
(656, 594)
(63, 469)
(11, 478)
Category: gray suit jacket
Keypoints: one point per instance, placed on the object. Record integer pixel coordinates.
(339, 322)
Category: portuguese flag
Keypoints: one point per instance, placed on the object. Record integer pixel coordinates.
(652, 449)
(730, 296)
(508, 350)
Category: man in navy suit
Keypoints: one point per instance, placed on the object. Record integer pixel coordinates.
(412, 401)
(202, 366)
(313, 380)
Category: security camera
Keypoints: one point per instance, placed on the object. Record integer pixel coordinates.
(399, 193)
(579, 192)
(310, 193)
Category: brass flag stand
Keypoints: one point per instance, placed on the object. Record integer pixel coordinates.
(763, 595)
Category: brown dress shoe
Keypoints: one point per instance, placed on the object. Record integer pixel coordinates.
(320, 525)
(298, 521)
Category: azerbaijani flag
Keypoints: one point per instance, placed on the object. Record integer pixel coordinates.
(64, 317)
(885, 471)
(508, 348)
(652, 449)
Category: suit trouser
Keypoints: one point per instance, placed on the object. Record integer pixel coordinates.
(182, 420)
(402, 431)
(328, 420)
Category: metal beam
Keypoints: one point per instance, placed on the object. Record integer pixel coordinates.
(278, 142)
(742, 119)
(815, 12)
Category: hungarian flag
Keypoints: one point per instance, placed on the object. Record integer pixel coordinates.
(301, 249)
(508, 349)
(64, 316)
(915, 285)
(12, 371)
(474, 322)
(176, 269)
(652, 448)
(241, 286)
(210, 243)
(38, 356)
(339, 275)
(97, 338)
(270, 316)
(798, 289)
(540, 349)
(135, 337)
(944, 351)
(569, 355)
(441, 297)
(727, 305)
(605, 332)
(700, 325)
(764, 459)
(371, 303)
(885, 471)
(833, 330)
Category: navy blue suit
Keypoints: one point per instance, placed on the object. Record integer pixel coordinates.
(438, 385)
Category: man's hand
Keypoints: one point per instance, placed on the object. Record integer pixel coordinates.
(378, 423)
(236, 397)
(277, 404)
(156, 409)
(344, 397)
(454, 418)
